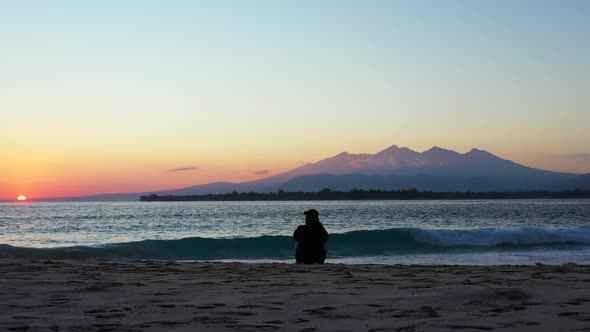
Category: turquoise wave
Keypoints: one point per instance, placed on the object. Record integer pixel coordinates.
(388, 242)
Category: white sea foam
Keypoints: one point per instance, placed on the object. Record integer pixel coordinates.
(494, 237)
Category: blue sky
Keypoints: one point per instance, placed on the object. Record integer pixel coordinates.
(234, 87)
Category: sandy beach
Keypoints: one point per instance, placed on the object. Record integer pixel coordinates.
(157, 296)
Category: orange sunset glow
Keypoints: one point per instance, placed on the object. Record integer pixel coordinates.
(183, 116)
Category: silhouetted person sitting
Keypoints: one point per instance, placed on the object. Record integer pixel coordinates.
(311, 240)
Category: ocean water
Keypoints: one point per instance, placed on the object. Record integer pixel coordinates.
(385, 232)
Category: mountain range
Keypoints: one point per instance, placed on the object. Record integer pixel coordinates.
(394, 168)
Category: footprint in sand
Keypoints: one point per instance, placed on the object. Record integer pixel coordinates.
(106, 327)
(577, 301)
(205, 306)
(513, 295)
(506, 309)
(248, 306)
(470, 327)
(94, 311)
(257, 327)
(240, 313)
(319, 311)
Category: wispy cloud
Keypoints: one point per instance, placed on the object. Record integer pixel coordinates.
(262, 172)
(183, 169)
(580, 157)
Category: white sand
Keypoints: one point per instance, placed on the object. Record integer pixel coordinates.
(163, 296)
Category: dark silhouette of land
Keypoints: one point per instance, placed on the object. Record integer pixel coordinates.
(359, 194)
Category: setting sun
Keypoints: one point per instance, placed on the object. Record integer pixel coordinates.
(22, 198)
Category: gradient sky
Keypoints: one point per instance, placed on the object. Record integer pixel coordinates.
(121, 96)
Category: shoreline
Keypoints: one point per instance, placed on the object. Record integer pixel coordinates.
(92, 295)
(369, 195)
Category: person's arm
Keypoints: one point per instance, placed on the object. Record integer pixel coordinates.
(325, 235)
(298, 234)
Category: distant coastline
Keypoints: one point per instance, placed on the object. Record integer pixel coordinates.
(353, 195)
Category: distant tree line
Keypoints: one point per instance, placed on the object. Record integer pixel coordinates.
(360, 194)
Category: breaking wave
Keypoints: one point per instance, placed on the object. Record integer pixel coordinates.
(388, 242)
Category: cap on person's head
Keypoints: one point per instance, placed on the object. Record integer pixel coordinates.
(312, 213)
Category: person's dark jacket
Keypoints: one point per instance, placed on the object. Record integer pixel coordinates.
(311, 243)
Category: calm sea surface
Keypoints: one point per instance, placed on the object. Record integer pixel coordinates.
(449, 232)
